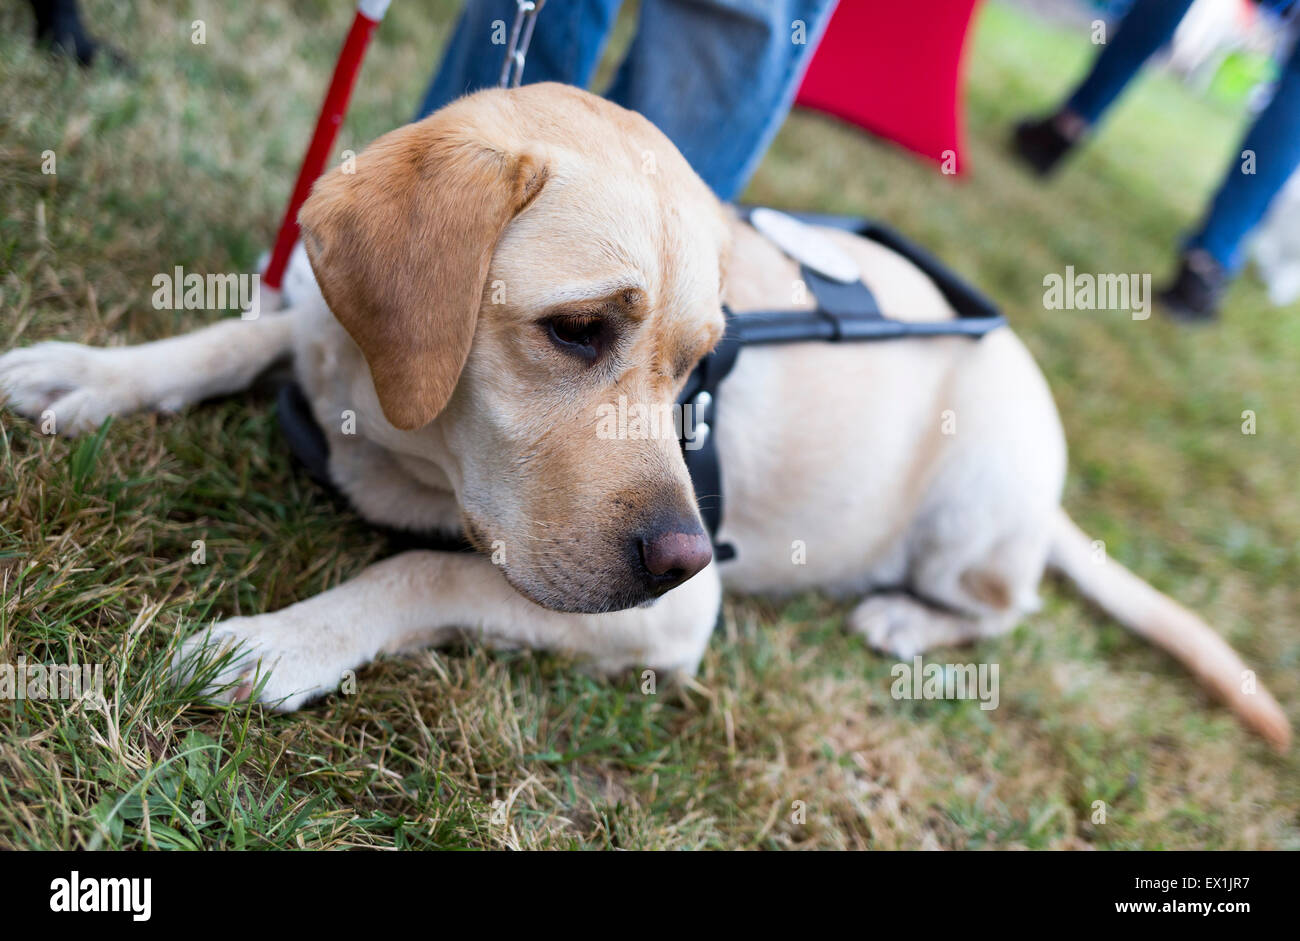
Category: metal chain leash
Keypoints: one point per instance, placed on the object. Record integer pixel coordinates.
(512, 69)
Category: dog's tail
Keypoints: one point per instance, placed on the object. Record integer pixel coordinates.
(1169, 625)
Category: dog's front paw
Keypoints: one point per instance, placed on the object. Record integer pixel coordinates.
(270, 658)
(68, 388)
(891, 626)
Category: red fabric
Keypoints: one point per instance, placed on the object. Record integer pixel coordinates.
(895, 68)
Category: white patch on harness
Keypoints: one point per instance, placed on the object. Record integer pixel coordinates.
(806, 245)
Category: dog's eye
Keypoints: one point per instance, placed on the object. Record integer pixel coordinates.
(581, 336)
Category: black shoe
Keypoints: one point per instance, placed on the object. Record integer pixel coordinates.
(59, 29)
(1194, 295)
(1043, 143)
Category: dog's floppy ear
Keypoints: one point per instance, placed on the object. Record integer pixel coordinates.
(401, 249)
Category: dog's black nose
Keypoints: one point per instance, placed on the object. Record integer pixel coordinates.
(672, 555)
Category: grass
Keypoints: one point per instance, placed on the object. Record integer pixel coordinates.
(189, 164)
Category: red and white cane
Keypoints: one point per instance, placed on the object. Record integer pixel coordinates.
(335, 106)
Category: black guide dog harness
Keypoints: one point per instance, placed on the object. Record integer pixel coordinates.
(845, 312)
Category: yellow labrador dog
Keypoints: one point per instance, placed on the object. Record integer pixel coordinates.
(491, 280)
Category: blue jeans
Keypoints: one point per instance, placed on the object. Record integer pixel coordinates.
(1274, 138)
(716, 76)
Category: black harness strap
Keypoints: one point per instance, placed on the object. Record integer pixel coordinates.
(844, 313)
(841, 303)
(701, 392)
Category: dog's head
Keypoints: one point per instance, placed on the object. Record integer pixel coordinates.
(531, 276)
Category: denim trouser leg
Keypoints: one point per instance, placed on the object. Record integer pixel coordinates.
(566, 47)
(718, 76)
(1148, 26)
(1243, 198)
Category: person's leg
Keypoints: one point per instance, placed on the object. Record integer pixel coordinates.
(718, 77)
(1273, 142)
(566, 47)
(1213, 253)
(1147, 26)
